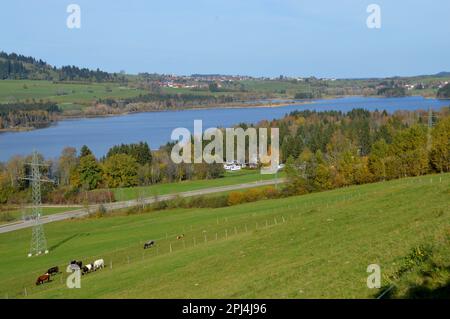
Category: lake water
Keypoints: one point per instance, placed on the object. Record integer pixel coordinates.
(156, 127)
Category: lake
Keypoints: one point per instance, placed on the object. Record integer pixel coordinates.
(156, 127)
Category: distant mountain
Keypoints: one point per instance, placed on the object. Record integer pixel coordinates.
(19, 67)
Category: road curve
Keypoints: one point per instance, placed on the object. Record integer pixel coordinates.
(132, 203)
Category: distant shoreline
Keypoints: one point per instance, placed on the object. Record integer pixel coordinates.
(259, 104)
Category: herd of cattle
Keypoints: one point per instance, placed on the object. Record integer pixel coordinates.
(85, 269)
(73, 266)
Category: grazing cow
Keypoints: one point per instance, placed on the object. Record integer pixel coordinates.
(43, 278)
(53, 271)
(180, 237)
(98, 264)
(149, 244)
(87, 269)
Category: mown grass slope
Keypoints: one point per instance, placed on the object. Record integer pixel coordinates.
(313, 246)
(231, 178)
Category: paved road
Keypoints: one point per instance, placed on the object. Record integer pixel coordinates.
(132, 203)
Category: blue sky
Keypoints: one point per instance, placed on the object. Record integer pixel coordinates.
(324, 38)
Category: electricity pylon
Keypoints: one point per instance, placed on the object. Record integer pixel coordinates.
(38, 241)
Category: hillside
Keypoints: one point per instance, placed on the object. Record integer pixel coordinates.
(312, 246)
(19, 67)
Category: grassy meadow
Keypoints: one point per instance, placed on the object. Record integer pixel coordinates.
(311, 246)
(15, 214)
(67, 95)
(230, 178)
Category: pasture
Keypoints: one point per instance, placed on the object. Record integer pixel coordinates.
(230, 178)
(67, 95)
(311, 246)
(15, 214)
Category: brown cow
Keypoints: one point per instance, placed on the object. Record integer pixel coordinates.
(42, 279)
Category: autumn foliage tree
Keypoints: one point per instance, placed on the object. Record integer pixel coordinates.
(120, 170)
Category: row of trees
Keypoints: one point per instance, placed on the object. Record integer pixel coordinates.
(16, 67)
(12, 70)
(37, 114)
(156, 101)
(73, 73)
(123, 166)
(333, 150)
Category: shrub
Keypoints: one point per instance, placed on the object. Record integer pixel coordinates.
(74, 196)
(235, 198)
(253, 195)
(271, 193)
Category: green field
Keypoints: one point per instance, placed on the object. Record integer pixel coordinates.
(67, 95)
(312, 246)
(230, 178)
(15, 214)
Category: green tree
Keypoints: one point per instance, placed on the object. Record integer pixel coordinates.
(66, 165)
(89, 172)
(140, 152)
(440, 148)
(85, 151)
(409, 151)
(121, 170)
(377, 159)
(322, 174)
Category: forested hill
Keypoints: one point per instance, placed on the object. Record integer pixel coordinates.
(19, 67)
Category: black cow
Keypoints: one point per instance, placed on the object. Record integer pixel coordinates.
(149, 244)
(53, 271)
(84, 270)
